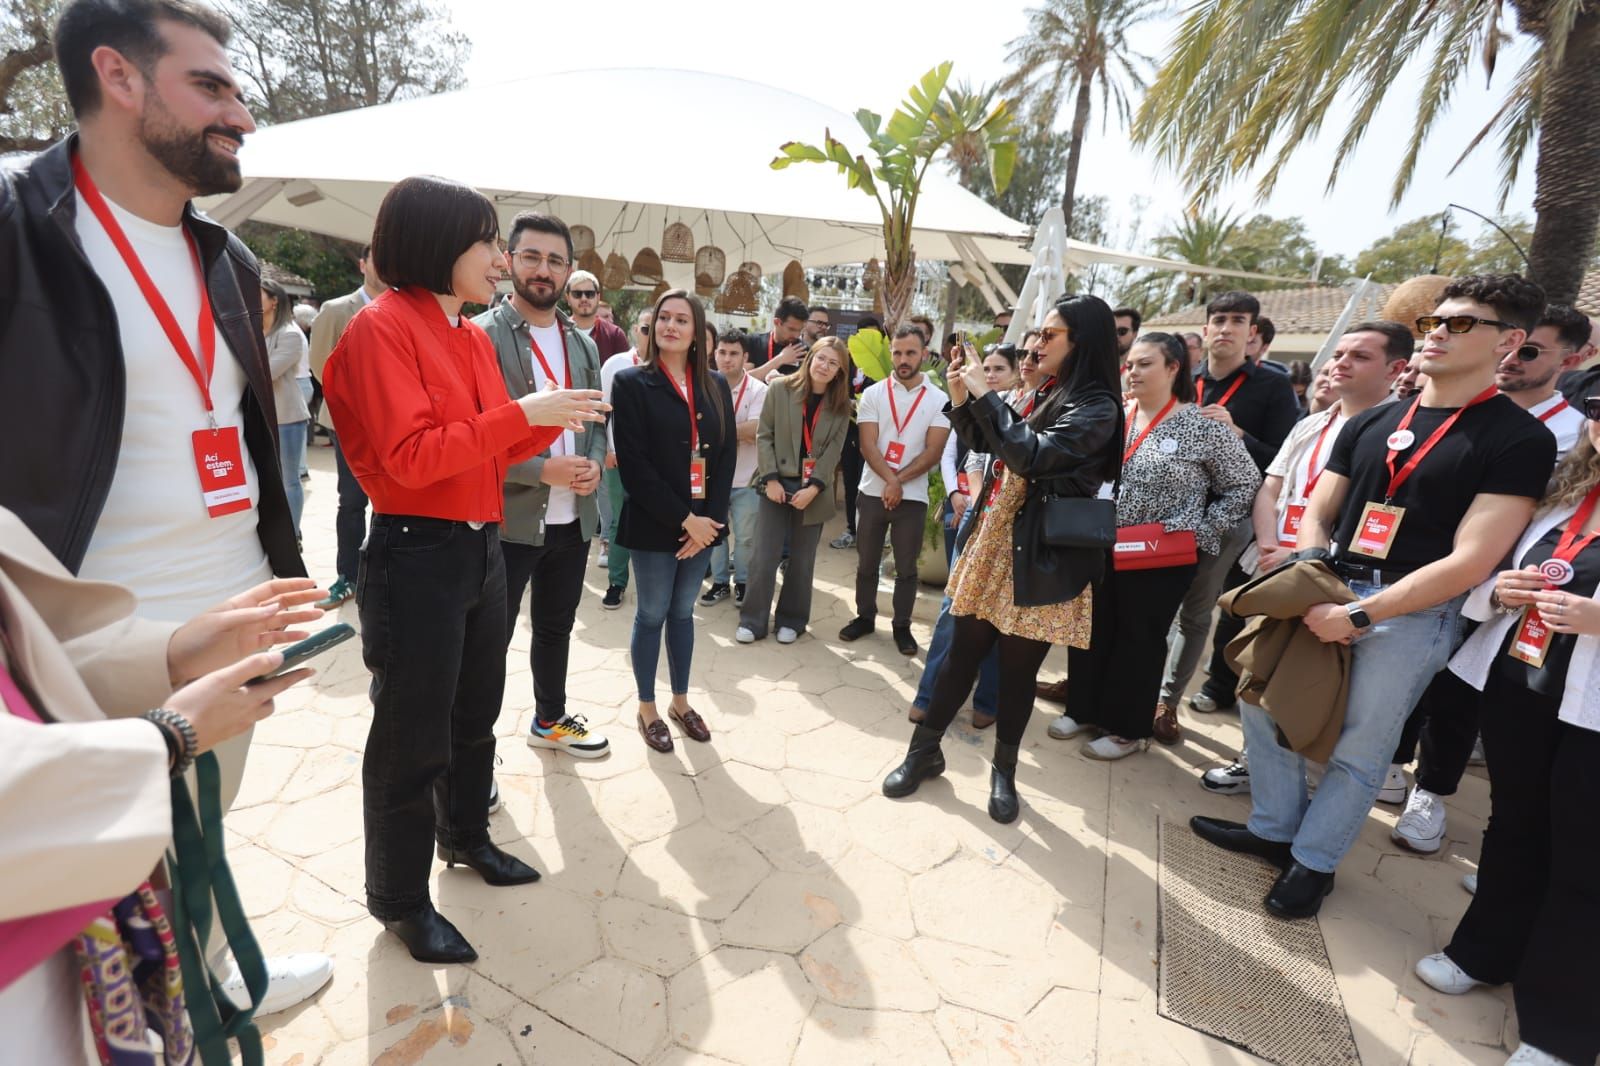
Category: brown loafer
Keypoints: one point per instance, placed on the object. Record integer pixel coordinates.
(656, 734)
(692, 724)
(1166, 728)
(981, 720)
(916, 714)
(1055, 693)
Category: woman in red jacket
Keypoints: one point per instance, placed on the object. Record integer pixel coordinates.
(428, 429)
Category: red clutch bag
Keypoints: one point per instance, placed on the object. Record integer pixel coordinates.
(1151, 547)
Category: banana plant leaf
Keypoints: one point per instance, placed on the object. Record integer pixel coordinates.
(869, 350)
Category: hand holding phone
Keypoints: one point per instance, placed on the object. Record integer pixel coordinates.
(296, 654)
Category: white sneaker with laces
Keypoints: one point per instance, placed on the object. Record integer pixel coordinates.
(1470, 883)
(1421, 825)
(1528, 1055)
(744, 635)
(1066, 727)
(1109, 748)
(1228, 780)
(1440, 973)
(787, 635)
(291, 980)
(1394, 786)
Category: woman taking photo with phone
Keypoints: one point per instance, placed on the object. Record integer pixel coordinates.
(1010, 588)
(1187, 480)
(801, 436)
(1536, 658)
(676, 449)
(428, 429)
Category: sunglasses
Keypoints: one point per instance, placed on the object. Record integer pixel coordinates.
(1591, 408)
(1458, 323)
(583, 294)
(1048, 333)
(1031, 357)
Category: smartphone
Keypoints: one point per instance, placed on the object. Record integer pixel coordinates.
(296, 654)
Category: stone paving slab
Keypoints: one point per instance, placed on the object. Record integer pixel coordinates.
(756, 900)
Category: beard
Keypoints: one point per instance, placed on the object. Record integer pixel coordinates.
(187, 154)
(535, 300)
(1524, 381)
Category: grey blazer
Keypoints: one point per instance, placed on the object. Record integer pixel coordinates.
(780, 444)
(285, 347)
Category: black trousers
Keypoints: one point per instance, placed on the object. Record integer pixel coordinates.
(1020, 659)
(1535, 920)
(350, 524)
(1222, 684)
(1445, 721)
(851, 464)
(1115, 682)
(433, 615)
(902, 528)
(555, 571)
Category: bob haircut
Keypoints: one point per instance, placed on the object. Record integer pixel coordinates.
(837, 396)
(424, 225)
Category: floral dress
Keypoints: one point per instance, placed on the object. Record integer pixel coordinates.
(981, 585)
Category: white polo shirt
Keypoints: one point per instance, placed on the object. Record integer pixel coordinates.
(1562, 419)
(918, 410)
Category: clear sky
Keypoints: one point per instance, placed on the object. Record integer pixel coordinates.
(864, 53)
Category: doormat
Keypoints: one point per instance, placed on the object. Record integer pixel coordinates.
(1231, 970)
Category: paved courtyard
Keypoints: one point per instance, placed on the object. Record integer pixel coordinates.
(756, 900)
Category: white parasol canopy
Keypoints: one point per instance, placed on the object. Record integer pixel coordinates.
(679, 146)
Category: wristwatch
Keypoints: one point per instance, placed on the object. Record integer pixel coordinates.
(1358, 617)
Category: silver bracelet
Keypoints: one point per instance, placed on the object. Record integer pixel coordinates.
(1494, 601)
(181, 726)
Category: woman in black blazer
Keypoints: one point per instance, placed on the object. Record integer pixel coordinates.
(677, 483)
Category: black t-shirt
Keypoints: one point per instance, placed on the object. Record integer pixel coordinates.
(1495, 448)
(755, 346)
(1551, 678)
(1263, 406)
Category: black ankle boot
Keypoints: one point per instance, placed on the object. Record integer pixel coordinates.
(1003, 803)
(430, 937)
(923, 760)
(496, 867)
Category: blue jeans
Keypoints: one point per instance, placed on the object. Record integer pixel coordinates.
(291, 450)
(987, 698)
(742, 526)
(309, 392)
(1390, 667)
(665, 590)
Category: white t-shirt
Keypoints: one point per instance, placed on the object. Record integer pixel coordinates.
(918, 409)
(154, 534)
(608, 374)
(1308, 465)
(563, 505)
(747, 401)
(1562, 419)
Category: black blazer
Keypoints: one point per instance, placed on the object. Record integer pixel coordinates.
(651, 427)
(1073, 456)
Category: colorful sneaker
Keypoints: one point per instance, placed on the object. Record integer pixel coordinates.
(341, 591)
(613, 597)
(715, 594)
(570, 735)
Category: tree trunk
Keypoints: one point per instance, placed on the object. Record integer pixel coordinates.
(1566, 199)
(1080, 122)
(899, 286)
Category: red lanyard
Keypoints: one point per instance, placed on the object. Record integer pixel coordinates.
(1396, 480)
(744, 383)
(894, 409)
(770, 339)
(1033, 397)
(1312, 471)
(200, 369)
(1568, 547)
(1557, 409)
(1237, 382)
(1133, 447)
(566, 367)
(686, 394)
(809, 425)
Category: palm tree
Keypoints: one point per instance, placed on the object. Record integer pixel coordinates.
(1072, 47)
(1205, 239)
(967, 151)
(1248, 82)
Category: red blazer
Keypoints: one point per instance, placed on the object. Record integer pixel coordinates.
(423, 415)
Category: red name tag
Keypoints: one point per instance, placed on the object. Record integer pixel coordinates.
(219, 462)
(1375, 532)
(697, 478)
(1289, 535)
(894, 453)
(961, 484)
(808, 468)
(1532, 641)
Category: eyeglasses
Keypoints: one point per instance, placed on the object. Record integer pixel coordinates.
(1591, 408)
(531, 260)
(1048, 333)
(582, 294)
(1529, 352)
(1458, 323)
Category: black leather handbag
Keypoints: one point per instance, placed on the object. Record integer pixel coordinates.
(1078, 522)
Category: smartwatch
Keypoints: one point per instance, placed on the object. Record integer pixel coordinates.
(1358, 617)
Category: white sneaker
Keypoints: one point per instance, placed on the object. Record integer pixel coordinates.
(1528, 1055)
(1394, 786)
(1109, 748)
(291, 980)
(1421, 825)
(1440, 973)
(1470, 883)
(744, 635)
(787, 635)
(1066, 727)
(1228, 780)
(604, 558)
(1202, 703)
(495, 802)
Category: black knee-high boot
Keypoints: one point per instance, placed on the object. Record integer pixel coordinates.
(923, 760)
(1003, 803)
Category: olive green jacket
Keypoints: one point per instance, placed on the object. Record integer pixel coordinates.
(780, 446)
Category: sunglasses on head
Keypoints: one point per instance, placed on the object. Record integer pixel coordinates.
(1591, 408)
(1458, 323)
(583, 294)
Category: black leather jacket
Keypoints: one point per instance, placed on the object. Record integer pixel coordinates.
(62, 384)
(1074, 456)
